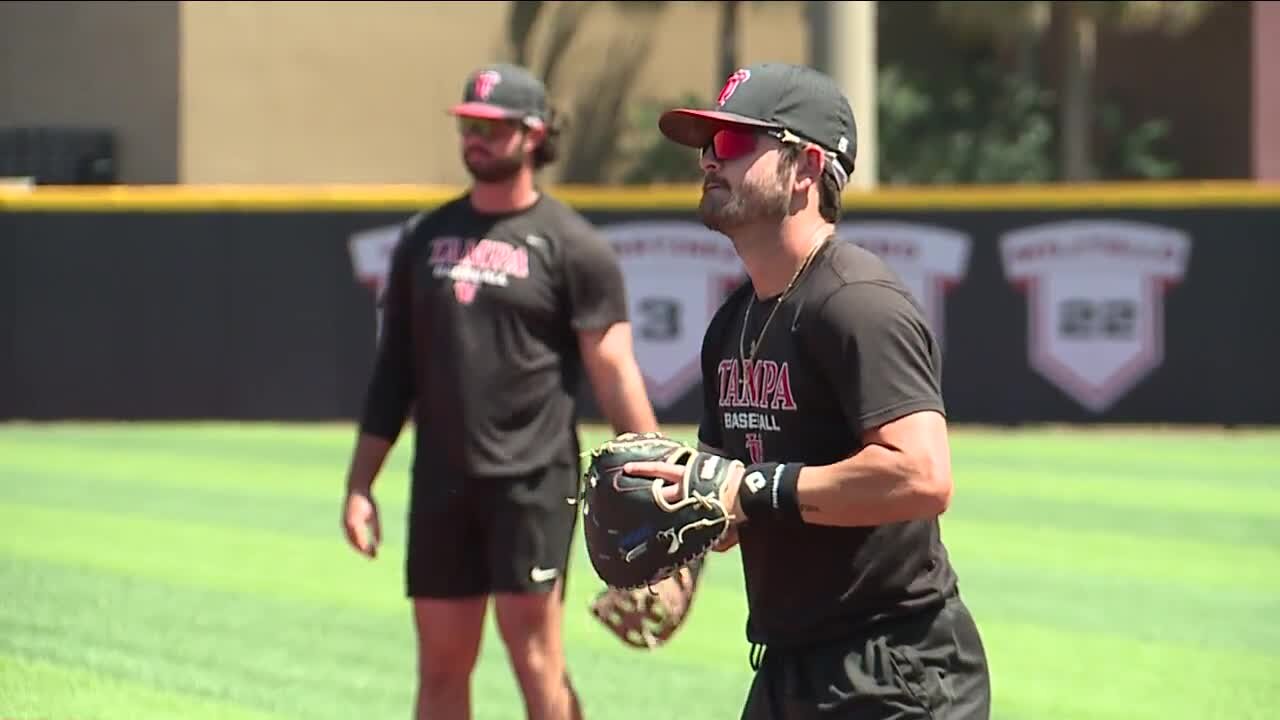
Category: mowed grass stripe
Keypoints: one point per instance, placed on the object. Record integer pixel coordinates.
(317, 517)
(1071, 613)
(173, 468)
(1101, 485)
(225, 434)
(1044, 672)
(1214, 459)
(270, 655)
(1209, 456)
(305, 516)
(314, 445)
(1141, 610)
(263, 563)
(32, 688)
(143, 543)
(1236, 527)
(278, 565)
(367, 647)
(249, 446)
(268, 563)
(1154, 469)
(319, 662)
(1075, 553)
(295, 518)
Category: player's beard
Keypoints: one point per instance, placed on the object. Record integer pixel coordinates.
(724, 208)
(494, 168)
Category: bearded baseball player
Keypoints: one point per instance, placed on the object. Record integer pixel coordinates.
(497, 303)
(822, 389)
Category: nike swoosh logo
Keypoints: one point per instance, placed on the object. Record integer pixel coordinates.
(540, 575)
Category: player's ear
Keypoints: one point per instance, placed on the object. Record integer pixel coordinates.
(533, 137)
(808, 169)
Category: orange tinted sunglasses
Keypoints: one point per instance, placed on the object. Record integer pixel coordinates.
(485, 128)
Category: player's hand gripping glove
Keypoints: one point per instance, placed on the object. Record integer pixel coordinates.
(638, 535)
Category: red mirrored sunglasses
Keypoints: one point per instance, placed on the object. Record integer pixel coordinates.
(735, 142)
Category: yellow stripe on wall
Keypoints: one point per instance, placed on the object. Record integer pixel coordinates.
(1221, 193)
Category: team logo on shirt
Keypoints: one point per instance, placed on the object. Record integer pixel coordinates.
(930, 260)
(751, 391)
(1095, 301)
(470, 263)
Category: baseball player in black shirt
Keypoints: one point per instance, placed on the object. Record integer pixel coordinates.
(496, 303)
(822, 377)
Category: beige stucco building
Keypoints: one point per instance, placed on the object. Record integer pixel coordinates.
(332, 92)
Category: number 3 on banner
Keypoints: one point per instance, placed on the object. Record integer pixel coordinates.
(659, 318)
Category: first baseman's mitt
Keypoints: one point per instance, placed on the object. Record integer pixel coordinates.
(635, 536)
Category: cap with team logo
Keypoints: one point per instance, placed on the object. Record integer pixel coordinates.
(778, 96)
(503, 92)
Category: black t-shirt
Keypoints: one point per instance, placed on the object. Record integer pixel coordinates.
(479, 336)
(848, 350)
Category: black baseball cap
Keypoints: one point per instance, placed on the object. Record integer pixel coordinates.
(503, 92)
(777, 96)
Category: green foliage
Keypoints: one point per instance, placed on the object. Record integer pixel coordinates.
(1005, 19)
(1116, 147)
(980, 126)
(976, 123)
(973, 122)
(656, 159)
(1133, 152)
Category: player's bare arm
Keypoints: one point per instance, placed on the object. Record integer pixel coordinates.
(902, 468)
(366, 462)
(385, 408)
(360, 510)
(611, 367)
(903, 472)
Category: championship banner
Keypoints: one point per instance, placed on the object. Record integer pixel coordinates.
(930, 260)
(1095, 301)
(677, 274)
(1055, 305)
(370, 252)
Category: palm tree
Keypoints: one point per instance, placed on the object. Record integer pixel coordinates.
(598, 116)
(1078, 23)
(727, 57)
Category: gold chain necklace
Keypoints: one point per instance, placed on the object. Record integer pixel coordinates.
(751, 300)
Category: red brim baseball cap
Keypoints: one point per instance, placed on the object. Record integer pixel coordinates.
(503, 92)
(695, 128)
(773, 95)
(485, 111)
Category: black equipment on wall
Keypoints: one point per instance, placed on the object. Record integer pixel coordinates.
(59, 155)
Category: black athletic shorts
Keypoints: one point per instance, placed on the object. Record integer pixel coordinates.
(930, 667)
(485, 535)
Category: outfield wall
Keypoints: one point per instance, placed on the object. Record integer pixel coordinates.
(1142, 303)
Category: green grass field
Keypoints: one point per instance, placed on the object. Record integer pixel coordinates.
(154, 571)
